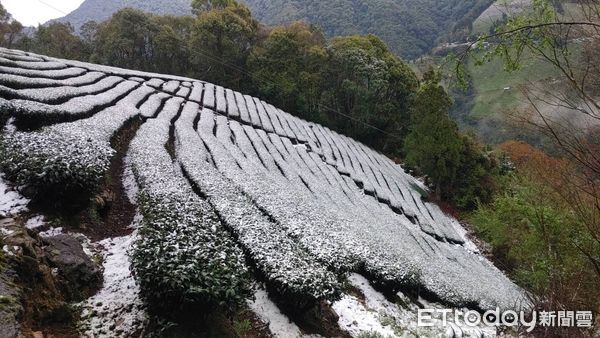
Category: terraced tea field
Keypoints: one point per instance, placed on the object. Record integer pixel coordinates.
(232, 190)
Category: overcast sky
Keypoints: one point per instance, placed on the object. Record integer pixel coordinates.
(34, 12)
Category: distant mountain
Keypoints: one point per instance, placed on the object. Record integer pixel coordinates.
(410, 27)
(100, 10)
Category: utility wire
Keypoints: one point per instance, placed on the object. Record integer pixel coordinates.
(50, 6)
(261, 78)
(264, 79)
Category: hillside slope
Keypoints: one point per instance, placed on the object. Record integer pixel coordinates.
(410, 27)
(100, 10)
(232, 189)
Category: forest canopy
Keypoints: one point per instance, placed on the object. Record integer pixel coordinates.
(410, 27)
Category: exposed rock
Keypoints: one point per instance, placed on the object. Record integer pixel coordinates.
(66, 254)
(10, 294)
(40, 296)
(39, 278)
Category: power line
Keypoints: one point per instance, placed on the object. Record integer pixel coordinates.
(50, 6)
(262, 78)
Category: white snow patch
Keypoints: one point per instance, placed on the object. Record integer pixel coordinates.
(378, 315)
(10, 126)
(373, 299)
(11, 202)
(35, 222)
(279, 324)
(12, 250)
(89, 248)
(129, 183)
(116, 310)
(462, 232)
(51, 232)
(356, 319)
(6, 232)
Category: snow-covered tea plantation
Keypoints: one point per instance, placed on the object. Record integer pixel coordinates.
(238, 202)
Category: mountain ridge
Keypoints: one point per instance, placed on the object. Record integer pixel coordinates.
(100, 10)
(411, 28)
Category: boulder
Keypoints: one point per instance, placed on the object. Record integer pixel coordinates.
(10, 305)
(66, 254)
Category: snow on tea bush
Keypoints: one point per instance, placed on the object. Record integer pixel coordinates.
(183, 255)
(74, 155)
(290, 271)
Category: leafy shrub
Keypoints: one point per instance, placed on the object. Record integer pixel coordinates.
(180, 262)
(183, 257)
(51, 161)
(542, 243)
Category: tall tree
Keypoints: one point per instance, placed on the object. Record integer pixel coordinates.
(126, 40)
(171, 48)
(221, 42)
(10, 29)
(89, 35)
(433, 144)
(59, 40)
(371, 88)
(287, 68)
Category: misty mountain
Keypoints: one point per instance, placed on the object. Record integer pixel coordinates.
(100, 10)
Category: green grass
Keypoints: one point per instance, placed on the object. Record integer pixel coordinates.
(499, 91)
(483, 24)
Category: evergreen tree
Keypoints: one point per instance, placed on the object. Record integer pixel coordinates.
(287, 68)
(220, 43)
(371, 87)
(10, 29)
(59, 40)
(433, 144)
(126, 40)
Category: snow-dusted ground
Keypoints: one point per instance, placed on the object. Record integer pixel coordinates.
(116, 310)
(375, 314)
(279, 324)
(372, 315)
(11, 201)
(35, 222)
(356, 318)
